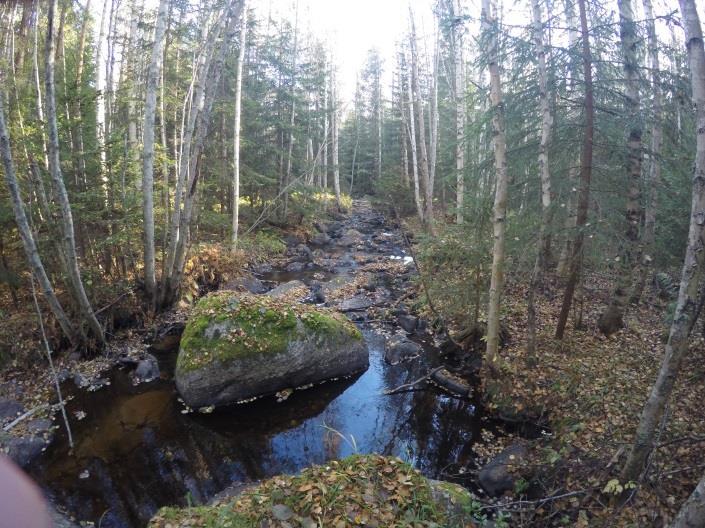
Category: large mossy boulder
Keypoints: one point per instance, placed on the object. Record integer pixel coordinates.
(239, 346)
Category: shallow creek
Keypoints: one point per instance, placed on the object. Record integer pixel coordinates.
(137, 449)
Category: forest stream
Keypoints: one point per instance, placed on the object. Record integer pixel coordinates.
(138, 448)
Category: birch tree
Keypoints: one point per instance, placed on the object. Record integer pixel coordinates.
(692, 276)
(456, 10)
(28, 243)
(417, 104)
(237, 126)
(499, 213)
(544, 254)
(59, 189)
(335, 132)
(150, 107)
(653, 176)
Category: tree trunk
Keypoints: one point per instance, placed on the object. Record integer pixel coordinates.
(60, 194)
(546, 127)
(237, 126)
(414, 155)
(653, 177)
(418, 104)
(150, 109)
(30, 247)
(691, 276)
(336, 167)
(692, 513)
(543, 256)
(612, 319)
(585, 176)
(490, 30)
(324, 179)
(457, 36)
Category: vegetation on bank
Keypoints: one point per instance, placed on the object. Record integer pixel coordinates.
(361, 490)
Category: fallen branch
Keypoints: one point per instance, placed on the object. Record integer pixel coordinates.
(21, 418)
(411, 385)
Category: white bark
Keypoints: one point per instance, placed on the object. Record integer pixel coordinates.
(418, 105)
(459, 60)
(489, 23)
(150, 108)
(692, 277)
(30, 247)
(414, 154)
(60, 194)
(237, 126)
(336, 167)
(546, 127)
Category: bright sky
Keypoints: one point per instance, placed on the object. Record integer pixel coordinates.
(352, 28)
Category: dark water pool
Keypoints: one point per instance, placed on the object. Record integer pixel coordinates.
(136, 451)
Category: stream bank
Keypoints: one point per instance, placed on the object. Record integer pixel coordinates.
(138, 448)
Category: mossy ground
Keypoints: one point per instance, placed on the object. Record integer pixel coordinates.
(369, 490)
(253, 324)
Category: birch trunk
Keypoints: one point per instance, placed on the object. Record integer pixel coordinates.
(59, 188)
(433, 133)
(28, 242)
(336, 167)
(543, 256)
(612, 319)
(546, 128)
(583, 198)
(458, 56)
(150, 110)
(414, 155)
(490, 29)
(653, 177)
(237, 126)
(692, 277)
(324, 179)
(403, 134)
(418, 105)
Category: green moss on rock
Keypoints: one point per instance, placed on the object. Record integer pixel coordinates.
(225, 325)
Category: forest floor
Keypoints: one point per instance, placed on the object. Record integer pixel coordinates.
(591, 389)
(587, 391)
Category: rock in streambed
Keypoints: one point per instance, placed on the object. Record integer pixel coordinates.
(240, 346)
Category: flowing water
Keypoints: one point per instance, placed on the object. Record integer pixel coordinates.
(136, 449)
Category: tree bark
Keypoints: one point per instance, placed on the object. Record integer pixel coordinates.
(692, 274)
(585, 177)
(30, 247)
(612, 318)
(421, 135)
(459, 61)
(336, 166)
(150, 110)
(59, 188)
(653, 177)
(490, 29)
(414, 154)
(237, 126)
(546, 128)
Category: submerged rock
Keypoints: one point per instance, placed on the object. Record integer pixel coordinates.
(239, 347)
(399, 349)
(286, 287)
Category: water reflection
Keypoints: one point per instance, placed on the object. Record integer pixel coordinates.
(136, 451)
